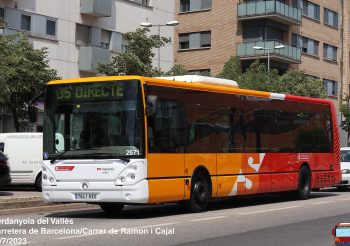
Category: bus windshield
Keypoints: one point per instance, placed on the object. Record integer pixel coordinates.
(342, 232)
(94, 120)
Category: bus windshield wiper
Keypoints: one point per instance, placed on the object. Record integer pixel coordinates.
(123, 158)
(52, 161)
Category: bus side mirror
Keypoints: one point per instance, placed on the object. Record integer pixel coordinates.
(151, 107)
(333, 231)
(32, 113)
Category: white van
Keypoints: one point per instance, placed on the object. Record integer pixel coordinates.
(24, 151)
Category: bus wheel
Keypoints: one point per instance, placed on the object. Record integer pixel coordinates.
(111, 208)
(38, 183)
(200, 194)
(304, 184)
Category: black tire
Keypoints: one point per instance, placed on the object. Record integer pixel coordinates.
(38, 183)
(304, 184)
(316, 189)
(342, 188)
(111, 208)
(200, 194)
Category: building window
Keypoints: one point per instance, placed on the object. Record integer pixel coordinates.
(26, 22)
(330, 52)
(82, 34)
(330, 17)
(2, 13)
(195, 40)
(307, 45)
(310, 9)
(105, 39)
(197, 5)
(330, 87)
(202, 72)
(142, 2)
(51, 27)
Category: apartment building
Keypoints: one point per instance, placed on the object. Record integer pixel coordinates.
(81, 33)
(297, 34)
(308, 35)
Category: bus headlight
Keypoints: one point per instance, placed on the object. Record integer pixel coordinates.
(47, 177)
(132, 174)
(345, 171)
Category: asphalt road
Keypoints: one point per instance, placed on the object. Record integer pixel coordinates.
(264, 220)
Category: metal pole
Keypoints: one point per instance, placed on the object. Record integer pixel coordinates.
(268, 60)
(159, 48)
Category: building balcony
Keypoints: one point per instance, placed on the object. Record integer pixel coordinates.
(288, 54)
(90, 56)
(96, 8)
(271, 9)
(8, 31)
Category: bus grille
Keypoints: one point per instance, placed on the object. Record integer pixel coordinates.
(325, 179)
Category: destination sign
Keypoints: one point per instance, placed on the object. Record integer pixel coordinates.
(95, 91)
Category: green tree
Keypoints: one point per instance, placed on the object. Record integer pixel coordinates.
(232, 69)
(345, 111)
(256, 78)
(137, 60)
(24, 71)
(177, 70)
(298, 83)
(2, 23)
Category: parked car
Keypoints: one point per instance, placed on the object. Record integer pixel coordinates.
(345, 168)
(24, 151)
(5, 178)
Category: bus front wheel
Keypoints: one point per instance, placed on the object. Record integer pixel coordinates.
(111, 208)
(200, 193)
(304, 184)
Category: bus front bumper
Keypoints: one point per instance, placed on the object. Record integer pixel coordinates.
(96, 192)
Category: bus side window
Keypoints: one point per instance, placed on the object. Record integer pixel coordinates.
(2, 146)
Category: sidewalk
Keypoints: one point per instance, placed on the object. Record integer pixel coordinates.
(25, 199)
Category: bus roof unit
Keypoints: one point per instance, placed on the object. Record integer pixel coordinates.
(202, 80)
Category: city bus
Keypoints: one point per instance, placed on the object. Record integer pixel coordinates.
(341, 234)
(124, 140)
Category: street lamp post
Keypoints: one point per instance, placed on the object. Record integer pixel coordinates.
(169, 23)
(268, 50)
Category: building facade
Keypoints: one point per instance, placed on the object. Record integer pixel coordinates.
(81, 33)
(312, 36)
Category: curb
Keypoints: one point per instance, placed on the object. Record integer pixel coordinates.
(22, 205)
(48, 208)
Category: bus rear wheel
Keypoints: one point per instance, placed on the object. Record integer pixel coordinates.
(304, 184)
(200, 194)
(111, 208)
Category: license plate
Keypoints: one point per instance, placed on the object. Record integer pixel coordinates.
(85, 196)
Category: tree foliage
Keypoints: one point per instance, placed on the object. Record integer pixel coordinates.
(24, 71)
(256, 78)
(177, 70)
(345, 111)
(137, 60)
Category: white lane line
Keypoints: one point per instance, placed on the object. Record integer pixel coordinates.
(129, 228)
(159, 225)
(319, 203)
(270, 210)
(208, 218)
(345, 199)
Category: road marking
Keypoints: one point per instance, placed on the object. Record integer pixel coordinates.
(107, 229)
(270, 210)
(345, 199)
(319, 203)
(208, 218)
(159, 225)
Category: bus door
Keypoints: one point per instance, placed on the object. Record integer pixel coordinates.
(166, 144)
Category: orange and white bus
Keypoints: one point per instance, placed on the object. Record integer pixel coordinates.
(135, 140)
